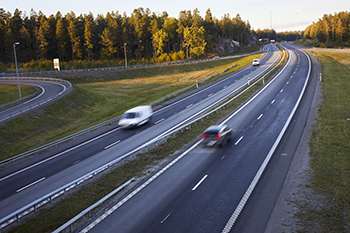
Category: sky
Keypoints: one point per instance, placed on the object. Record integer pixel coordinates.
(285, 15)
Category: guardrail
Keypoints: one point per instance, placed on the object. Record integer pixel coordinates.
(68, 86)
(15, 216)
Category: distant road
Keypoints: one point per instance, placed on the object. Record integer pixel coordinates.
(49, 90)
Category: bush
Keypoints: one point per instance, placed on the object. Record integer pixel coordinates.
(3, 67)
(181, 55)
(163, 58)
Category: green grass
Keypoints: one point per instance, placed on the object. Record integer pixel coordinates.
(92, 76)
(92, 103)
(53, 217)
(40, 126)
(330, 151)
(9, 92)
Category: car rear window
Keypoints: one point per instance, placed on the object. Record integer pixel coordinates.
(211, 131)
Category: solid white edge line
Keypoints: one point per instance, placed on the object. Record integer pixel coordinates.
(110, 211)
(199, 183)
(251, 187)
(31, 184)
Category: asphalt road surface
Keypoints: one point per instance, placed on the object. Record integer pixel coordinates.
(205, 189)
(46, 89)
(28, 181)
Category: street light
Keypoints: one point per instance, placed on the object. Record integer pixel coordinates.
(126, 59)
(19, 87)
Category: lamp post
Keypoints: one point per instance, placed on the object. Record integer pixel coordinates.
(19, 87)
(126, 59)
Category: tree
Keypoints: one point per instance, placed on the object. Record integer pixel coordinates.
(74, 36)
(197, 41)
(16, 24)
(88, 34)
(62, 37)
(226, 27)
(2, 35)
(25, 41)
(159, 40)
(43, 37)
(128, 35)
(185, 20)
(108, 49)
(197, 20)
(170, 27)
(141, 22)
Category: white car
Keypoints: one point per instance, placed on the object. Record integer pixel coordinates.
(136, 116)
(256, 62)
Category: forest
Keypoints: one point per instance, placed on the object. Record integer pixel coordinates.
(330, 30)
(141, 35)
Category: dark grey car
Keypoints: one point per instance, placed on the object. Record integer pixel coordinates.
(216, 135)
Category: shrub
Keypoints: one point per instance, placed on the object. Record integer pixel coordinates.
(3, 67)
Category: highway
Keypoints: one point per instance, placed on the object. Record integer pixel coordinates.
(206, 189)
(46, 89)
(26, 182)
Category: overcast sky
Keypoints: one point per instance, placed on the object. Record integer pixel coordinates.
(286, 15)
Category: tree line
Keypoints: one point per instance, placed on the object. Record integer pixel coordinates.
(142, 34)
(271, 34)
(331, 30)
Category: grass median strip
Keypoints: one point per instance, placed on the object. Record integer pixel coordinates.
(53, 217)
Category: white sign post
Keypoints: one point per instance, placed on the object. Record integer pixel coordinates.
(56, 64)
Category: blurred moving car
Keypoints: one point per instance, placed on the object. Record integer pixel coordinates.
(216, 135)
(136, 116)
(256, 62)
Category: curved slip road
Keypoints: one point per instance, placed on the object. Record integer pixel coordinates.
(47, 90)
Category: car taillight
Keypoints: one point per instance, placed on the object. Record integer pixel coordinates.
(218, 136)
(204, 136)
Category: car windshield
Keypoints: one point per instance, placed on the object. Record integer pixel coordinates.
(256, 60)
(130, 115)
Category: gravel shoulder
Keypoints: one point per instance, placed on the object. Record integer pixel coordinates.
(295, 187)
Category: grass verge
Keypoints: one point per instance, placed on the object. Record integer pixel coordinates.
(328, 209)
(9, 92)
(53, 217)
